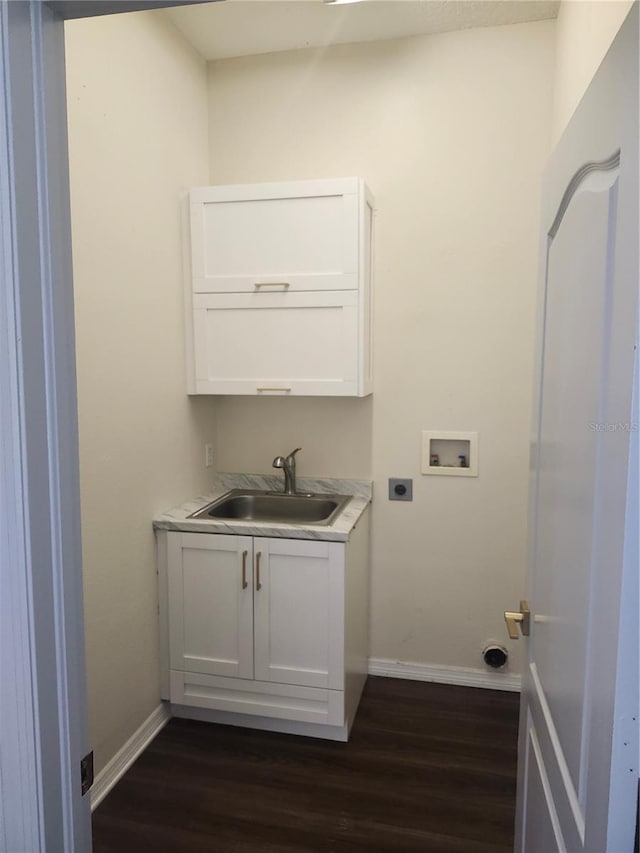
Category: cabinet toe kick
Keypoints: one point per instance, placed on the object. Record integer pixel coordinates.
(305, 704)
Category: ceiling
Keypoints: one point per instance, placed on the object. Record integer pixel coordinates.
(246, 27)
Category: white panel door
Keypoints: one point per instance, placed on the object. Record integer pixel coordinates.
(303, 234)
(299, 612)
(580, 497)
(210, 604)
(277, 343)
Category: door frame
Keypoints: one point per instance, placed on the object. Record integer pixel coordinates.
(43, 704)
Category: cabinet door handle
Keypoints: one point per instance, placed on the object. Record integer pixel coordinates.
(281, 390)
(258, 584)
(245, 583)
(259, 284)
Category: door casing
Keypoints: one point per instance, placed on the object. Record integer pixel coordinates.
(43, 705)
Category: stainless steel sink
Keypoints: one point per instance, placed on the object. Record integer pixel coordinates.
(255, 505)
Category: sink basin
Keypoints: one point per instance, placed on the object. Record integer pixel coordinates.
(254, 505)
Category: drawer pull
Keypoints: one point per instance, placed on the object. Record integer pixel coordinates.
(245, 582)
(281, 390)
(259, 284)
(258, 584)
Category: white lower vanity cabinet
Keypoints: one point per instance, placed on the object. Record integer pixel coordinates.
(266, 632)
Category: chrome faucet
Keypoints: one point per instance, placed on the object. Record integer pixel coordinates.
(288, 465)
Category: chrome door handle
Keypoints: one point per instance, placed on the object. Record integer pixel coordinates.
(521, 617)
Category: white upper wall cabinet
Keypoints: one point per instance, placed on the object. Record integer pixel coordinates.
(280, 295)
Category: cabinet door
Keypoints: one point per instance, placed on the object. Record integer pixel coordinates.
(211, 604)
(277, 343)
(299, 612)
(302, 235)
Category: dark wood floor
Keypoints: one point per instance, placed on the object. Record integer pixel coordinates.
(429, 768)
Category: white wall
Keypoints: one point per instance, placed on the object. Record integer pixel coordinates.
(584, 32)
(138, 138)
(251, 432)
(451, 132)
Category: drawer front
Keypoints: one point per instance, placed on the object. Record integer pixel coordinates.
(281, 243)
(287, 343)
(281, 701)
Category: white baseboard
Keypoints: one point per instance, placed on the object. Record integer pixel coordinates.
(445, 674)
(124, 758)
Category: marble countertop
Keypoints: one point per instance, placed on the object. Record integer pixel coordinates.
(339, 531)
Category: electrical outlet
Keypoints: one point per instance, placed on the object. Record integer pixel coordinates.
(208, 455)
(400, 489)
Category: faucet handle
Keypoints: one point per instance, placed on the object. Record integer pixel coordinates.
(291, 456)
